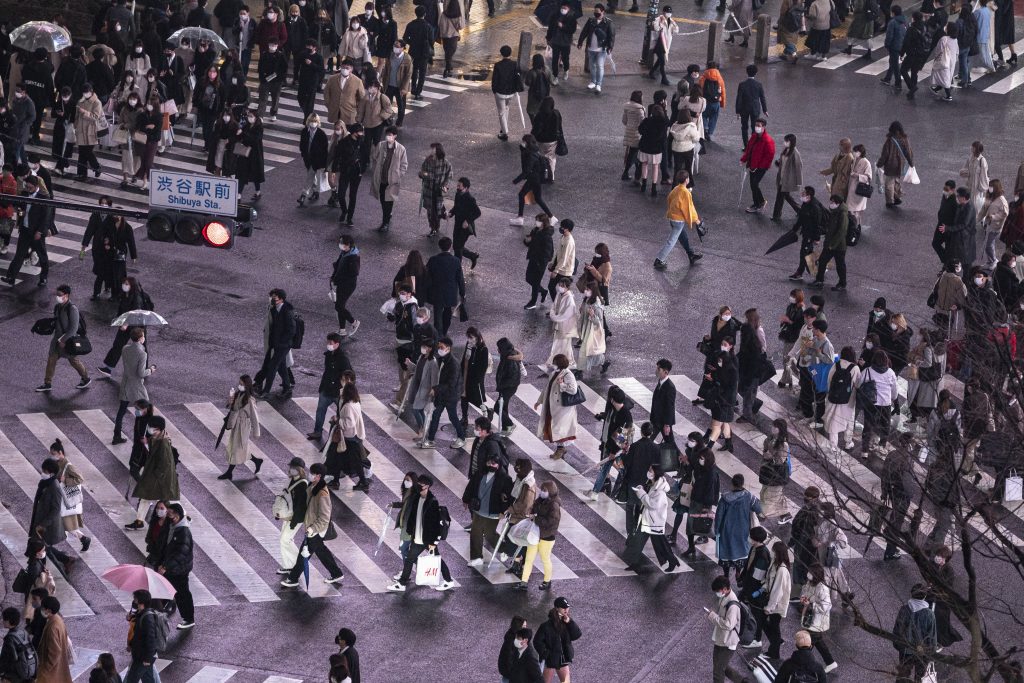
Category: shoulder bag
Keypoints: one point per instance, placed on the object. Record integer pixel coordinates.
(569, 400)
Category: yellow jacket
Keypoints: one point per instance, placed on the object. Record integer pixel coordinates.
(680, 206)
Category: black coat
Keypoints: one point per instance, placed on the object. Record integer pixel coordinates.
(653, 131)
(641, 455)
(605, 33)
(561, 30)
(706, 485)
(250, 169)
(314, 148)
(310, 75)
(178, 553)
(525, 667)
(750, 98)
(547, 127)
(749, 354)
(157, 534)
(531, 164)
(346, 272)
(447, 285)
(97, 232)
(485, 449)
(347, 157)
(384, 39)
(663, 405)
(507, 376)
(465, 211)
(474, 369)
(46, 507)
(282, 326)
(449, 381)
(809, 223)
(297, 33)
(335, 363)
(501, 491)
(431, 519)
(102, 78)
(506, 78)
(418, 38)
(804, 661)
(554, 644)
(539, 251)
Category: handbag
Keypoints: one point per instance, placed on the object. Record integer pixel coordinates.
(765, 369)
(911, 177)
(242, 151)
(685, 494)
(22, 584)
(569, 400)
(561, 149)
(428, 570)
(864, 189)
(44, 326)
(78, 346)
(71, 500)
(331, 533)
(834, 21)
(700, 525)
(807, 616)
(140, 137)
(323, 182)
(832, 560)
(120, 136)
(463, 312)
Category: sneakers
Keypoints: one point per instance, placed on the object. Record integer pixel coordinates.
(530, 306)
(753, 645)
(283, 571)
(397, 576)
(445, 586)
(754, 208)
(355, 328)
(335, 579)
(518, 220)
(478, 562)
(458, 443)
(44, 387)
(137, 524)
(545, 585)
(554, 80)
(104, 370)
(272, 118)
(592, 496)
(118, 440)
(425, 444)
(796, 277)
(695, 258)
(591, 86)
(660, 265)
(831, 667)
(186, 625)
(288, 583)
(396, 587)
(503, 557)
(597, 89)
(4, 249)
(521, 586)
(508, 431)
(84, 383)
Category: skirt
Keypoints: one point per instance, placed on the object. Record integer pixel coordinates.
(646, 158)
(72, 522)
(773, 501)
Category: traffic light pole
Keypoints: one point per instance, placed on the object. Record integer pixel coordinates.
(75, 206)
(652, 14)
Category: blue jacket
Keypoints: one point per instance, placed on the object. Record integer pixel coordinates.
(895, 32)
(447, 285)
(732, 524)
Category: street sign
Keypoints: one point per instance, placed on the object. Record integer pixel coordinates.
(193, 192)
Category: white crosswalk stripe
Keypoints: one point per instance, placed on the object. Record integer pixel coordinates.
(212, 674)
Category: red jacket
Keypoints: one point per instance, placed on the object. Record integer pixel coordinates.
(267, 31)
(8, 185)
(759, 152)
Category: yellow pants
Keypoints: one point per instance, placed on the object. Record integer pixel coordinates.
(544, 547)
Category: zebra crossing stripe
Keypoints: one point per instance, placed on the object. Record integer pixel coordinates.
(281, 679)
(160, 665)
(213, 674)
(360, 567)
(205, 534)
(15, 538)
(440, 469)
(102, 491)
(82, 658)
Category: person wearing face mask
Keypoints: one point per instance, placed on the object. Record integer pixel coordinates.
(138, 62)
(67, 324)
(617, 433)
(1006, 283)
(946, 217)
(662, 30)
(790, 324)
(278, 333)
(449, 24)
(88, 118)
(523, 663)
(878, 413)
(557, 422)
(564, 315)
(383, 33)
(133, 380)
(993, 213)
(835, 244)
(561, 29)
(159, 477)
(127, 117)
(534, 168)
(758, 153)
(424, 377)
(396, 77)
(63, 143)
(410, 495)
(336, 363)
(591, 331)
(546, 513)
(949, 293)
(374, 111)
(405, 315)
(435, 175)
(142, 411)
(539, 252)
(722, 325)
(653, 497)
(355, 43)
(841, 399)
(99, 72)
(894, 159)
(523, 496)
(298, 34)
(424, 525)
(915, 629)
(209, 104)
(157, 533)
(99, 236)
(726, 619)
(789, 178)
(244, 37)
(721, 380)
(487, 496)
(445, 394)
(476, 365)
(291, 513)
(599, 35)
(860, 172)
(54, 649)
(323, 30)
(897, 343)
(242, 422)
(198, 16)
(940, 580)
(272, 71)
(220, 156)
(313, 147)
(177, 564)
(45, 522)
(975, 174)
(310, 77)
(465, 211)
(149, 124)
(345, 274)
(343, 93)
(389, 163)
(248, 149)
(271, 28)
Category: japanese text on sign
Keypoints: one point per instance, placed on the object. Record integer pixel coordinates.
(192, 192)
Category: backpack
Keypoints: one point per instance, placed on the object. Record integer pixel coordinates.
(793, 20)
(852, 231)
(840, 389)
(25, 663)
(867, 392)
(748, 624)
(712, 90)
(803, 676)
(446, 522)
(300, 332)
(161, 629)
(147, 301)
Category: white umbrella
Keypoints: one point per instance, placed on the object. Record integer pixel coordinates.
(41, 34)
(195, 34)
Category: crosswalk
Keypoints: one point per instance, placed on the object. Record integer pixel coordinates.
(1001, 82)
(591, 533)
(280, 142)
(85, 659)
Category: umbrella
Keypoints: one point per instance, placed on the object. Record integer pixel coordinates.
(41, 34)
(505, 524)
(133, 577)
(787, 239)
(195, 34)
(383, 533)
(138, 318)
(743, 181)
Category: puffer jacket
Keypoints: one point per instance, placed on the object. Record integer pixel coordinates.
(632, 114)
(655, 510)
(548, 513)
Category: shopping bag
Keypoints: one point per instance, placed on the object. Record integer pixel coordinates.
(428, 570)
(525, 532)
(910, 177)
(529, 198)
(930, 675)
(1014, 490)
(388, 307)
(323, 183)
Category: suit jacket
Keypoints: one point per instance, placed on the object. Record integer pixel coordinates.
(447, 283)
(282, 326)
(342, 101)
(750, 98)
(663, 404)
(36, 218)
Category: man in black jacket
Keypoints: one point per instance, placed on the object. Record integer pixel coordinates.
(523, 663)
(71, 72)
(424, 526)
(346, 642)
(273, 70)
(279, 345)
(486, 445)
(960, 235)
(947, 216)
(750, 102)
(617, 420)
(636, 462)
(506, 83)
(446, 396)
(915, 52)
(663, 402)
(465, 211)
(310, 77)
(561, 29)
(336, 362)
(802, 661)
(16, 639)
(33, 226)
(599, 35)
(67, 323)
(144, 639)
(810, 221)
(419, 38)
(177, 564)
(447, 284)
(487, 495)
(37, 79)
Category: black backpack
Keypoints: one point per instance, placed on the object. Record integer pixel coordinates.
(867, 392)
(300, 332)
(748, 624)
(803, 676)
(712, 90)
(25, 662)
(840, 389)
(446, 522)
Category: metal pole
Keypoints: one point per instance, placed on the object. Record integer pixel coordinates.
(652, 14)
(714, 40)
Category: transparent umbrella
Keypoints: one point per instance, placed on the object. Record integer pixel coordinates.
(139, 318)
(197, 33)
(40, 34)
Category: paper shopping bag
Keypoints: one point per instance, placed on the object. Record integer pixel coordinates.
(428, 570)
(1014, 488)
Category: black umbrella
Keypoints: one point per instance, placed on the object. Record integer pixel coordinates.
(787, 239)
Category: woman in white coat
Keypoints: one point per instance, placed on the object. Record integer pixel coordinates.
(860, 172)
(839, 416)
(944, 66)
(591, 329)
(563, 315)
(353, 432)
(653, 515)
(816, 612)
(779, 586)
(975, 171)
(557, 423)
(829, 542)
(242, 423)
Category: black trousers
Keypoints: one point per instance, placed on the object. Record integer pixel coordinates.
(459, 238)
(322, 552)
(183, 597)
(840, 259)
(939, 246)
(810, 403)
(395, 94)
(442, 318)
(683, 161)
(274, 363)
(386, 207)
(449, 45)
(821, 645)
(635, 548)
(772, 629)
(415, 550)
(746, 125)
(659, 62)
(538, 197)
(535, 292)
(910, 668)
(632, 162)
(780, 197)
(114, 354)
(806, 247)
(122, 410)
(419, 74)
(559, 55)
(351, 187)
(25, 243)
(909, 73)
(504, 397)
(756, 174)
(307, 102)
(86, 156)
(897, 514)
(341, 306)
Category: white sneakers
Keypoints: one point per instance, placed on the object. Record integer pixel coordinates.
(396, 588)
(518, 220)
(753, 645)
(445, 586)
(272, 118)
(591, 86)
(831, 667)
(458, 443)
(478, 562)
(597, 88)
(591, 496)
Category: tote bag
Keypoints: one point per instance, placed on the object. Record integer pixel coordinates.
(428, 570)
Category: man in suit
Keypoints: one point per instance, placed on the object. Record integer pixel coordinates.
(750, 102)
(133, 379)
(66, 321)
(279, 345)
(447, 286)
(663, 402)
(33, 226)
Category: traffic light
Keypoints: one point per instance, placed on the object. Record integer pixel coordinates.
(192, 228)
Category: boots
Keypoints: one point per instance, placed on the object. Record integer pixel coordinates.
(707, 437)
(727, 445)
(259, 463)
(332, 201)
(643, 186)
(229, 474)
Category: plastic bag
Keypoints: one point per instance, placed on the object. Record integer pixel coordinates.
(428, 570)
(525, 532)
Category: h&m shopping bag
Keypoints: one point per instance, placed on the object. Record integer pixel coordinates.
(428, 570)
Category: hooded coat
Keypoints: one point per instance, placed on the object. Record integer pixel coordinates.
(732, 523)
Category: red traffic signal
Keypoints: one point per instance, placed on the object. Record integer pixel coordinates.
(217, 234)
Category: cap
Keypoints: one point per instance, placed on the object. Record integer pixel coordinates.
(297, 462)
(561, 603)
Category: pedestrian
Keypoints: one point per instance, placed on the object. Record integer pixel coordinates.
(878, 413)
(924, 365)
(323, 31)
(349, 456)
(424, 377)
(557, 422)
(535, 168)
(310, 77)
(810, 224)
(419, 37)
(983, 18)
(435, 175)
(243, 423)
(342, 94)
(143, 645)
(547, 131)
(726, 619)
(791, 323)
(508, 651)
(18, 657)
(860, 175)
(758, 153)
(488, 494)
(834, 244)
(158, 530)
(790, 177)
(1005, 33)
(220, 158)
(34, 223)
(446, 396)
(476, 363)
(802, 665)
(722, 385)
(960, 235)
(777, 590)
(819, 34)
(682, 216)
(349, 157)
(945, 62)
(938, 588)
(46, 523)
(375, 110)
(841, 398)
(561, 29)
(507, 378)
(313, 146)
(136, 369)
(449, 25)
(158, 479)
(653, 496)
(773, 474)
(54, 651)
(616, 435)
(801, 538)
(389, 163)
(993, 215)
(426, 525)
(319, 528)
(599, 35)
(383, 33)
(750, 100)
(752, 348)
(732, 526)
(830, 542)
(840, 168)
(815, 356)
(346, 641)
(271, 71)
(279, 334)
(465, 211)
(131, 299)
(653, 131)
(564, 263)
(554, 641)
(897, 483)
(537, 82)
(662, 29)
(816, 608)
(67, 324)
(915, 634)
(37, 88)
(564, 316)
(248, 149)
(590, 330)
(914, 52)
(336, 362)
(345, 273)
(685, 478)
(447, 284)
(177, 563)
(524, 663)
(396, 77)
(895, 33)
(632, 115)
(63, 142)
(975, 171)
(540, 251)
(895, 158)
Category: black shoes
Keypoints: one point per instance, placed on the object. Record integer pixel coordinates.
(259, 463)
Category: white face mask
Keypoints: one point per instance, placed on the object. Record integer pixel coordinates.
(273, 48)
(137, 412)
(668, 15)
(691, 443)
(61, 300)
(250, 119)
(397, 51)
(314, 126)
(240, 387)
(521, 644)
(478, 433)
(726, 317)
(758, 129)
(345, 73)
(44, 476)
(892, 326)
(138, 50)
(332, 347)
(958, 269)
(949, 414)
(424, 350)
(563, 11)
(225, 119)
(293, 472)
(272, 16)
(856, 155)
(161, 513)
(149, 107)
(869, 345)
(725, 348)
(833, 206)
(586, 294)
(133, 102)
(979, 281)
(940, 560)
(390, 139)
(792, 299)
(243, 17)
(542, 494)
(442, 352)
(560, 289)
(404, 298)
(804, 199)
(126, 288)
(407, 484)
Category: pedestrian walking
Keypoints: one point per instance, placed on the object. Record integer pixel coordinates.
(279, 332)
(132, 298)
(616, 435)
(564, 316)
(419, 37)
(537, 82)
(984, 18)
(839, 169)
(599, 35)
(349, 456)
(547, 130)
(310, 77)
(773, 474)
(34, 224)
(682, 216)
(895, 33)
(860, 175)
(723, 383)
(435, 175)
(136, 369)
(653, 497)
(894, 160)
(18, 657)
(449, 25)
(914, 52)
(535, 168)
(344, 277)
(447, 285)
(758, 153)
(476, 364)
(993, 215)
(349, 158)
(488, 494)
(427, 527)
(539, 252)
(396, 77)
(802, 662)
(53, 654)
(67, 324)
(790, 177)
(319, 528)
(389, 163)
(1005, 33)
(343, 92)
(975, 172)
(841, 399)
(465, 213)
(336, 364)
(313, 146)
(424, 378)
(834, 244)
(632, 115)
(557, 422)
(508, 651)
(819, 35)
(945, 62)
(752, 349)
(177, 564)
(915, 633)
(830, 542)
(878, 413)
(248, 149)
(144, 642)
(815, 351)
(725, 618)
(507, 378)
(732, 526)
(554, 641)
(445, 395)
(662, 30)
(272, 71)
(591, 331)
(47, 522)
(243, 423)
(815, 614)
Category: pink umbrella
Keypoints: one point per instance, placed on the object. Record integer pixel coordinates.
(133, 577)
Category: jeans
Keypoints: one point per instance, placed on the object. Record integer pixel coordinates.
(502, 103)
(142, 673)
(827, 255)
(183, 597)
(322, 404)
(678, 234)
(720, 665)
(756, 174)
(990, 247)
(452, 408)
(595, 58)
(710, 115)
(964, 66)
(602, 475)
(894, 68)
